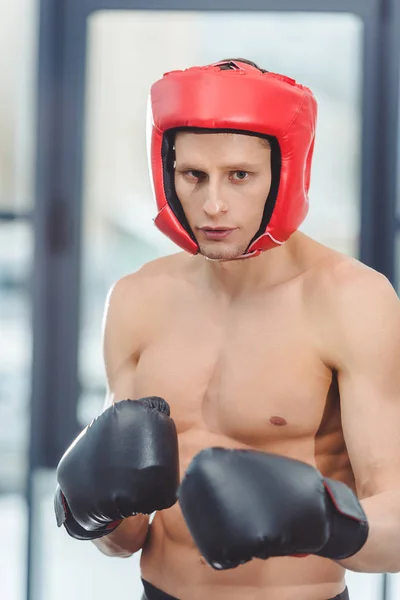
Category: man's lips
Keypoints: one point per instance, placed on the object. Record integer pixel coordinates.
(216, 233)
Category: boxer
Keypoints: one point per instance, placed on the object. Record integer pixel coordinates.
(253, 379)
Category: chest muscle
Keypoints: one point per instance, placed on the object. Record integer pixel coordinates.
(231, 376)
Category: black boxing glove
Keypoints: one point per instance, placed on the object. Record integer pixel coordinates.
(124, 463)
(242, 504)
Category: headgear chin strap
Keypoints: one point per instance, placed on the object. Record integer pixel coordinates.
(234, 97)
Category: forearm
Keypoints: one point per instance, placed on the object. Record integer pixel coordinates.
(128, 538)
(381, 552)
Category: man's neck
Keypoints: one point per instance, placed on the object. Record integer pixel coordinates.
(246, 276)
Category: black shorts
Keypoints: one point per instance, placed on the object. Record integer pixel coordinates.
(153, 593)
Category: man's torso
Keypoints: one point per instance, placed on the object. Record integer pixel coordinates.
(247, 373)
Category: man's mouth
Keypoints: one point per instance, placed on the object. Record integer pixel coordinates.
(216, 233)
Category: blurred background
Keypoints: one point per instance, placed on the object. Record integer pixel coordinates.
(76, 214)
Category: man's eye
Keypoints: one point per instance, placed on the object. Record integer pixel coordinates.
(240, 175)
(192, 174)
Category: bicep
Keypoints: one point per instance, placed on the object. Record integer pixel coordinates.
(371, 420)
(122, 386)
(120, 343)
(369, 384)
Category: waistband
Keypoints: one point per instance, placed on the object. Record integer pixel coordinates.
(153, 593)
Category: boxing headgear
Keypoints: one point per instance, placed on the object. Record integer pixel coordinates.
(234, 97)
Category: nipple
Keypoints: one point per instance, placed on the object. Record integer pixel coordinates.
(278, 421)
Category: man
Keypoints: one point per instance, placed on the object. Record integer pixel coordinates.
(254, 376)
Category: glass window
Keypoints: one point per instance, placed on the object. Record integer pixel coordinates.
(17, 73)
(393, 586)
(17, 80)
(15, 372)
(15, 352)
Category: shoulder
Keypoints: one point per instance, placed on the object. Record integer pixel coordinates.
(339, 282)
(329, 275)
(134, 305)
(156, 275)
(138, 297)
(350, 306)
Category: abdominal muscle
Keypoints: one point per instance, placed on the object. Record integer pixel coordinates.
(171, 561)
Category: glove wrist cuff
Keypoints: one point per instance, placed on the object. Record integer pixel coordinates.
(64, 517)
(349, 524)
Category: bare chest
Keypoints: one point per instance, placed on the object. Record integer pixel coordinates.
(250, 375)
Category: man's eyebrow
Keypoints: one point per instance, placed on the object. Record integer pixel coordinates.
(236, 166)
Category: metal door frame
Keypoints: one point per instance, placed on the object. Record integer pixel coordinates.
(57, 217)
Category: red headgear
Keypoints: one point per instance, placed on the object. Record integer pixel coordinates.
(233, 96)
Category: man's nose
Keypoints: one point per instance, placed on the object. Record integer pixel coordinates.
(214, 202)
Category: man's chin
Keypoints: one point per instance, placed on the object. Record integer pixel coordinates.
(214, 252)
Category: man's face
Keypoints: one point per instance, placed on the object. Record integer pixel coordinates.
(222, 181)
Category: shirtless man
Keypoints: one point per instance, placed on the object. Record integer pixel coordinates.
(267, 362)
